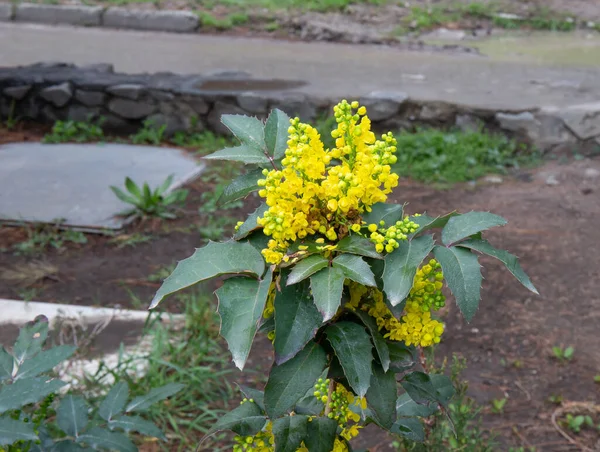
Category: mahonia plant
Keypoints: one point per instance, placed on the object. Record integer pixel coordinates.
(345, 285)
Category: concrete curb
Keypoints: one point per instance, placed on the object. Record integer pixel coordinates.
(84, 16)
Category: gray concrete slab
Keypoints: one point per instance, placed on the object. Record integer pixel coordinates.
(46, 182)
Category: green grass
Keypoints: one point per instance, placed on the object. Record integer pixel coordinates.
(311, 5)
(75, 131)
(41, 237)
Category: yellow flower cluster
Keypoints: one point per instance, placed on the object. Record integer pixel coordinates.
(387, 238)
(324, 191)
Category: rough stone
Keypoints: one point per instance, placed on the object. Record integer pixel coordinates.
(444, 34)
(552, 180)
(6, 12)
(51, 115)
(105, 68)
(520, 122)
(90, 98)
(199, 105)
(253, 103)
(468, 123)
(17, 92)
(544, 129)
(173, 124)
(161, 95)
(127, 90)
(59, 14)
(294, 104)
(131, 109)
(214, 117)
(583, 119)
(591, 173)
(83, 114)
(437, 111)
(175, 21)
(59, 95)
(493, 179)
(382, 105)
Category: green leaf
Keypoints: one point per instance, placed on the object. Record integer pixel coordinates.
(401, 357)
(382, 395)
(327, 286)
(101, 438)
(258, 240)
(289, 432)
(6, 364)
(352, 345)
(155, 395)
(114, 402)
(245, 420)
(214, 259)
(241, 304)
(31, 339)
(409, 427)
(44, 361)
(254, 394)
(306, 267)
(296, 320)
(123, 196)
(462, 226)
(251, 224)
(72, 415)
(380, 344)
(309, 405)
(241, 186)
(321, 434)
(405, 406)
(426, 222)
(276, 133)
(12, 431)
(132, 188)
(444, 388)
(242, 153)
(66, 446)
(289, 382)
(26, 391)
(419, 387)
(390, 213)
(463, 276)
(356, 269)
(509, 260)
(401, 266)
(248, 129)
(355, 244)
(136, 424)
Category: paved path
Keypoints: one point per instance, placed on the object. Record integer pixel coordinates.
(333, 69)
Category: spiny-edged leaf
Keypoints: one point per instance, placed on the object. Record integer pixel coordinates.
(352, 346)
(409, 427)
(290, 381)
(321, 434)
(136, 424)
(26, 391)
(462, 226)
(355, 244)
(66, 446)
(380, 344)
(509, 260)
(248, 129)
(155, 395)
(44, 361)
(381, 396)
(12, 431)
(306, 267)
(251, 224)
(245, 420)
(327, 286)
(296, 320)
(426, 222)
(444, 388)
(214, 259)
(389, 213)
(6, 364)
(356, 269)
(241, 186)
(100, 438)
(72, 415)
(276, 133)
(241, 304)
(405, 406)
(401, 266)
(114, 402)
(463, 276)
(309, 405)
(242, 153)
(254, 394)
(401, 357)
(419, 387)
(31, 339)
(257, 240)
(289, 432)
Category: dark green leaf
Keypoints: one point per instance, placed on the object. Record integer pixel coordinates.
(214, 259)
(426, 222)
(309, 405)
(241, 304)
(356, 269)
(276, 133)
(31, 339)
(290, 381)
(101, 438)
(123, 196)
(409, 427)
(419, 387)
(444, 388)
(401, 266)
(136, 424)
(44, 361)
(296, 320)
(327, 286)
(114, 402)
(306, 267)
(355, 244)
(242, 153)
(509, 260)
(322, 432)
(257, 396)
(251, 224)
(249, 130)
(401, 357)
(6, 364)
(462, 226)
(132, 188)
(241, 186)
(245, 420)
(381, 396)
(165, 185)
(66, 446)
(380, 345)
(258, 240)
(463, 276)
(289, 432)
(155, 395)
(72, 415)
(12, 431)
(389, 213)
(405, 406)
(26, 391)
(352, 346)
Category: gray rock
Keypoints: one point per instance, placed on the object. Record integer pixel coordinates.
(82, 113)
(131, 109)
(552, 180)
(227, 74)
(58, 95)
(176, 21)
(254, 103)
(591, 173)
(173, 124)
(17, 92)
(198, 104)
(105, 68)
(382, 105)
(294, 104)
(161, 95)
(468, 123)
(214, 117)
(114, 123)
(444, 34)
(583, 120)
(127, 90)
(50, 114)
(437, 111)
(59, 14)
(493, 179)
(90, 98)
(6, 12)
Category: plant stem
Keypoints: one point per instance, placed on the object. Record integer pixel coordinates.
(329, 392)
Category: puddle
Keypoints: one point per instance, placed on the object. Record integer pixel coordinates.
(248, 85)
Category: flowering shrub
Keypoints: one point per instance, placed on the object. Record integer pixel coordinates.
(345, 286)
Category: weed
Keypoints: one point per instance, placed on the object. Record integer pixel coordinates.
(203, 142)
(216, 228)
(207, 20)
(11, 121)
(122, 241)
(162, 273)
(149, 133)
(498, 405)
(75, 131)
(26, 274)
(563, 354)
(555, 399)
(272, 26)
(597, 379)
(40, 237)
(28, 294)
(427, 18)
(575, 423)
